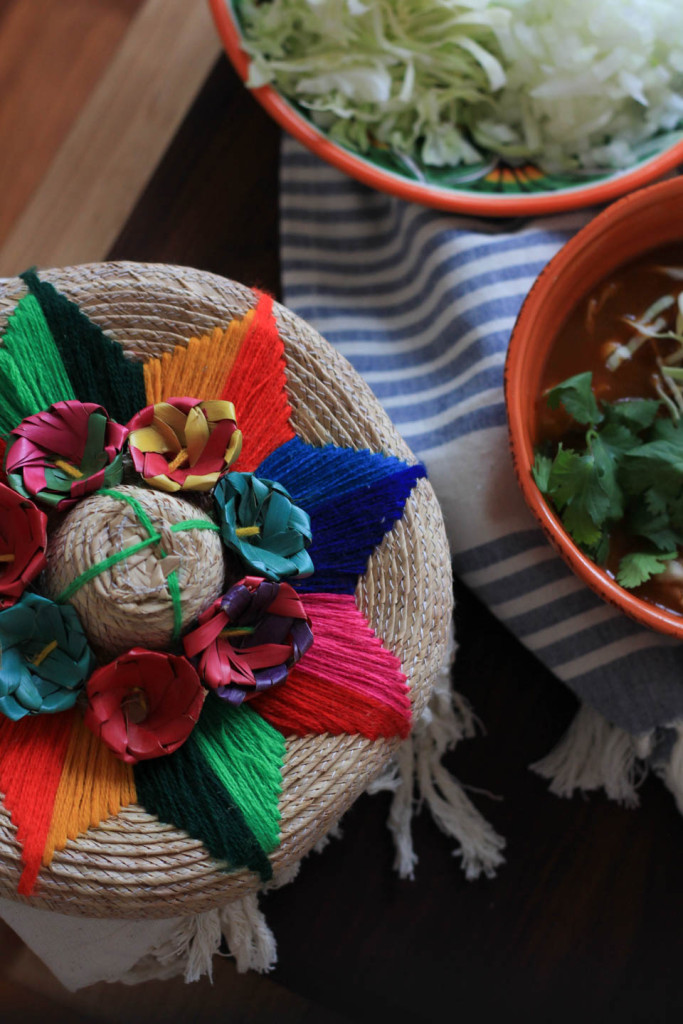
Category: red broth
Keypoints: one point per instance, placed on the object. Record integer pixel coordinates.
(596, 326)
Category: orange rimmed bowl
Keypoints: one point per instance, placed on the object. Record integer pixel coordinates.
(490, 189)
(629, 228)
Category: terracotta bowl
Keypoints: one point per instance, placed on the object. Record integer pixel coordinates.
(491, 188)
(625, 230)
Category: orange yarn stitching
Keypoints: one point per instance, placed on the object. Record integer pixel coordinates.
(197, 370)
(94, 785)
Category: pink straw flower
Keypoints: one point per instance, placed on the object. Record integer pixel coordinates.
(59, 455)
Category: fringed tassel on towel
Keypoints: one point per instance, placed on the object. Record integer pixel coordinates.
(196, 939)
(248, 936)
(446, 720)
(594, 754)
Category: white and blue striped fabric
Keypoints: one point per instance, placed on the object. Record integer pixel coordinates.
(422, 303)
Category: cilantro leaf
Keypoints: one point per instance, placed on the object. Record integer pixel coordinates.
(541, 471)
(664, 429)
(674, 508)
(650, 520)
(657, 465)
(583, 494)
(618, 439)
(639, 566)
(655, 502)
(636, 414)
(606, 468)
(630, 471)
(576, 395)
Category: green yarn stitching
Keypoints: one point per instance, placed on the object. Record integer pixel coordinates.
(172, 581)
(99, 567)
(96, 365)
(174, 590)
(135, 505)
(247, 754)
(32, 374)
(194, 524)
(184, 791)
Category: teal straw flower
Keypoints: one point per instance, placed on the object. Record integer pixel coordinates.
(262, 525)
(44, 657)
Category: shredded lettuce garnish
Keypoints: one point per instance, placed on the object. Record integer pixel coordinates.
(578, 85)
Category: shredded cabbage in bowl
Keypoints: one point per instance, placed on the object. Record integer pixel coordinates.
(568, 84)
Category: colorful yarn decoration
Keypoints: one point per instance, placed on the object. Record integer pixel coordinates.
(95, 365)
(222, 784)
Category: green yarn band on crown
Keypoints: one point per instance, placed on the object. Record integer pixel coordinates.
(32, 374)
(183, 789)
(154, 537)
(247, 754)
(96, 365)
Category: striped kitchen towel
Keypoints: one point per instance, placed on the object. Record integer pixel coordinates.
(422, 303)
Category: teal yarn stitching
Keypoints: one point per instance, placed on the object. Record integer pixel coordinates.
(247, 754)
(31, 369)
(96, 365)
(184, 791)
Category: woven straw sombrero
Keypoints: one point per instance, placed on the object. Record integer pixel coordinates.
(127, 861)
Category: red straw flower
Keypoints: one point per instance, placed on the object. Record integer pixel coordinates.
(183, 444)
(144, 704)
(23, 539)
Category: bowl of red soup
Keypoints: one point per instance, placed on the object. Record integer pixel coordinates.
(594, 394)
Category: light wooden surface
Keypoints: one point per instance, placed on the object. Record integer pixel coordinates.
(52, 54)
(110, 150)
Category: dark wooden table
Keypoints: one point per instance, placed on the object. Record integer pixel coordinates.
(585, 919)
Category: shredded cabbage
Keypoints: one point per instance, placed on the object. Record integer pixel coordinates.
(569, 84)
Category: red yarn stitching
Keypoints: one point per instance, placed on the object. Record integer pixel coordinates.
(256, 385)
(349, 684)
(32, 754)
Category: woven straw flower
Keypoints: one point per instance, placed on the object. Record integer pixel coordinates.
(261, 524)
(248, 640)
(144, 704)
(184, 444)
(23, 539)
(59, 455)
(45, 657)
